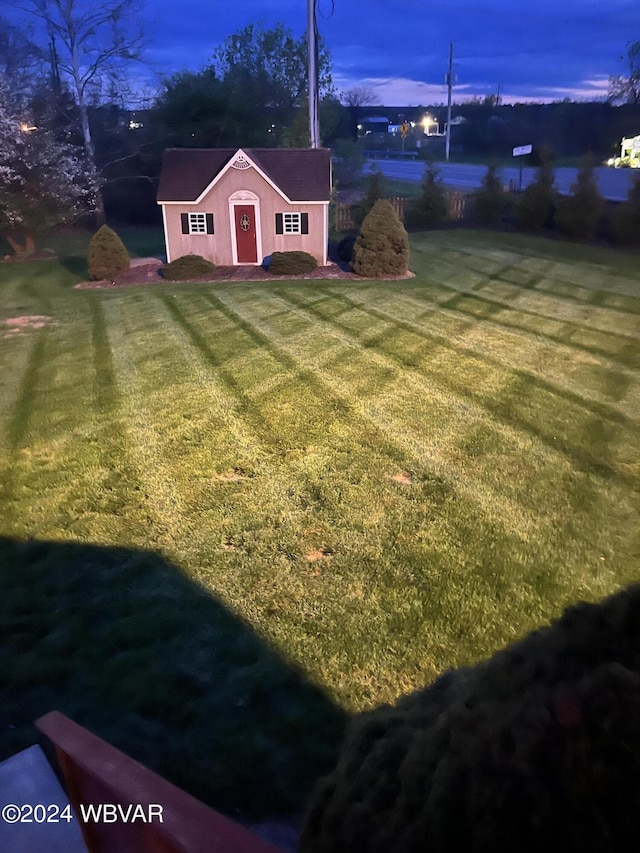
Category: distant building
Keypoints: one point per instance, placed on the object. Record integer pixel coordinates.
(373, 125)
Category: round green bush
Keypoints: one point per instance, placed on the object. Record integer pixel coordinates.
(187, 268)
(382, 246)
(536, 749)
(108, 257)
(291, 263)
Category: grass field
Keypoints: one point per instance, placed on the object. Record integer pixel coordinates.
(232, 513)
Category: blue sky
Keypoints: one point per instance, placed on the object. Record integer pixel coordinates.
(541, 51)
(544, 50)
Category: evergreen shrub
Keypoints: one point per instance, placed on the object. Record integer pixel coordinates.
(292, 263)
(536, 205)
(374, 191)
(536, 749)
(624, 224)
(187, 268)
(382, 246)
(490, 201)
(108, 257)
(431, 208)
(578, 215)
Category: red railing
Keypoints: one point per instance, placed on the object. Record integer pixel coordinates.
(96, 773)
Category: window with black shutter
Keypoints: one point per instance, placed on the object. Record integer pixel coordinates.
(292, 223)
(197, 223)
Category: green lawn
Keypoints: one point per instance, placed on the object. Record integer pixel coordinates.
(250, 508)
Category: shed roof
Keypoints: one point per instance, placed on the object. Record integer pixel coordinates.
(302, 174)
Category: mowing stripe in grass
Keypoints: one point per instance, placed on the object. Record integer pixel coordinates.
(565, 365)
(317, 511)
(516, 412)
(309, 371)
(411, 444)
(462, 279)
(478, 501)
(590, 340)
(17, 359)
(224, 402)
(598, 317)
(593, 341)
(304, 377)
(615, 382)
(18, 425)
(599, 409)
(164, 514)
(567, 262)
(482, 504)
(591, 276)
(245, 405)
(601, 298)
(192, 475)
(538, 309)
(25, 402)
(63, 473)
(105, 389)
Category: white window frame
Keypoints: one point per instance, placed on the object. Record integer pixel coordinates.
(197, 223)
(292, 223)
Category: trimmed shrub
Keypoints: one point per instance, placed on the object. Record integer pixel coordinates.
(625, 219)
(108, 257)
(292, 263)
(187, 268)
(536, 205)
(431, 209)
(382, 246)
(490, 201)
(578, 215)
(536, 749)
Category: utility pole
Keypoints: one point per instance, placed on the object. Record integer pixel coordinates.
(312, 49)
(449, 88)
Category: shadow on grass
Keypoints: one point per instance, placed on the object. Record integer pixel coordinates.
(123, 643)
(75, 264)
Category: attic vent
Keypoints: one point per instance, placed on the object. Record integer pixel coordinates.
(241, 162)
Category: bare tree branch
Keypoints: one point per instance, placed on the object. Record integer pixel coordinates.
(95, 40)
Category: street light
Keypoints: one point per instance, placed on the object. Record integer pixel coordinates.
(27, 128)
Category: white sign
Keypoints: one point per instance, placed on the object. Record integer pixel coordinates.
(522, 149)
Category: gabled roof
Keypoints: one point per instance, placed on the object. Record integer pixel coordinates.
(301, 174)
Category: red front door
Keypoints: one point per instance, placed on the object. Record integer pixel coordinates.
(245, 216)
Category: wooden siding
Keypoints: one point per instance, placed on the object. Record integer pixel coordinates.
(218, 247)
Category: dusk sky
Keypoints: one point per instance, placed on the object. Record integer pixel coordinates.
(544, 50)
(541, 51)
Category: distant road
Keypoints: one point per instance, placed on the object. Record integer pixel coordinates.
(612, 183)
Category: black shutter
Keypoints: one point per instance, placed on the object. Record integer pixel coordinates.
(184, 218)
(209, 223)
(304, 223)
(279, 224)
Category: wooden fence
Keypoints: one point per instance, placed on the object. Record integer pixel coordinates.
(347, 214)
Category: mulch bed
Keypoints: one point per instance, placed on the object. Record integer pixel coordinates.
(147, 271)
